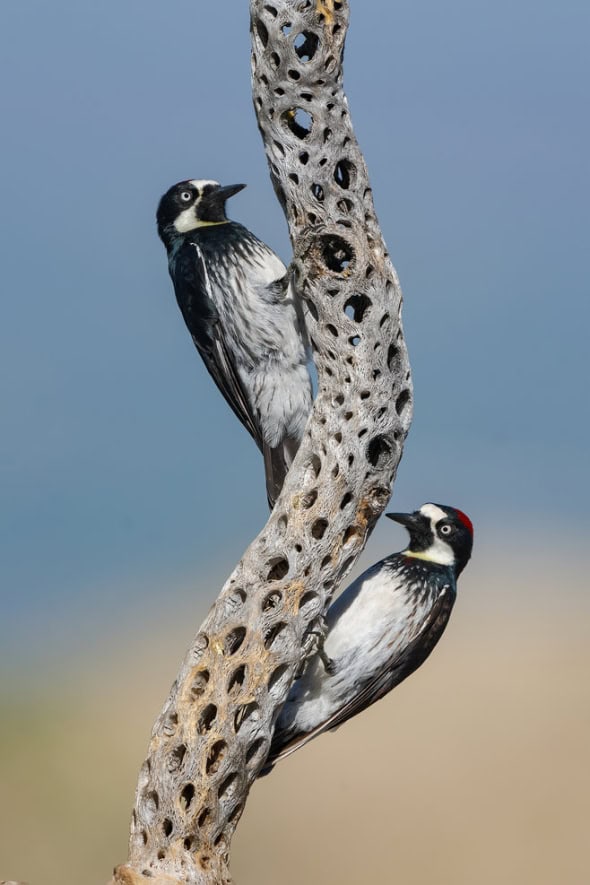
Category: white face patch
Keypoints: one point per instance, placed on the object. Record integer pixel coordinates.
(439, 551)
(187, 220)
(433, 513)
(200, 183)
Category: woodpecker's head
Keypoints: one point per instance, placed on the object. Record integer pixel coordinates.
(192, 204)
(438, 534)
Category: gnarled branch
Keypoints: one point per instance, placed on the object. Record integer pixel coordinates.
(213, 734)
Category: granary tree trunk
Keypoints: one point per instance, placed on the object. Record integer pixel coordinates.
(214, 731)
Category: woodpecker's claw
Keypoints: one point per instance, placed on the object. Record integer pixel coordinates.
(329, 664)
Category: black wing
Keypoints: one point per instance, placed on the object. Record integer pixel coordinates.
(402, 666)
(193, 294)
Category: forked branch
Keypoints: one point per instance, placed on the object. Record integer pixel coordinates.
(213, 734)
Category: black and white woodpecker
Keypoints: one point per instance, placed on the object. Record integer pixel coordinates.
(381, 628)
(244, 317)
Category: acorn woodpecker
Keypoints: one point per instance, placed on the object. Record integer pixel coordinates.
(381, 629)
(244, 318)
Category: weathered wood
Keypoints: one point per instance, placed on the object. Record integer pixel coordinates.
(212, 736)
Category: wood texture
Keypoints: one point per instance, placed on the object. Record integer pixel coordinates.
(212, 736)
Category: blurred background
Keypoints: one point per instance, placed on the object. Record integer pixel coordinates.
(128, 491)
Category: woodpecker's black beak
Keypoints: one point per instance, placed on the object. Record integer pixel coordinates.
(418, 526)
(224, 193)
(409, 520)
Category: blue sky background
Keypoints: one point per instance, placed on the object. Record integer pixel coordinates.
(123, 474)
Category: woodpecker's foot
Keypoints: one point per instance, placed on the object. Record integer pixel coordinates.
(329, 664)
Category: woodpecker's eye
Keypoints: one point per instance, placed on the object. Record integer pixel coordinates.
(446, 529)
(186, 196)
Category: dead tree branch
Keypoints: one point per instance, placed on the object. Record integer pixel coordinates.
(214, 731)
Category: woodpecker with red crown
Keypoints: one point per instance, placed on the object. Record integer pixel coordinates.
(244, 317)
(381, 628)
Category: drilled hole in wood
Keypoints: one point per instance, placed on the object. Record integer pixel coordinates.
(176, 758)
(351, 534)
(186, 797)
(402, 401)
(237, 811)
(344, 173)
(318, 192)
(279, 680)
(313, 468)
(357, 306)
(199, 684)
(306, 96)
(293, 75)
(262, 32)
(350, 460)
(345, 500)
(335, 470)
(277, 568)
(332, 330)
(228, 787)
(167, 826)
(306, 44)
(271, 10)
(309, 499)
(272, 601)
(204, 861)
(200, 646)
(203, 817)
(170, 725)
(318, 529)
(215, 757)
(243, 713)
(151, 803)
(283, 522)
(272, 633)
(279, 91)
(346, 565)
(381, 412)
(298, 121)
(144, 837)
(207, 718)
(233, 640)
(235, 599)
(303, 158)
(348, 416)
(275, 59)
(294, 177)
(363, 432)
(236, 680)
(355, 340)
(337, 437)
(326, 561)
(337, 253)
(379, 451)
(327, 135)
(279, 147)
(365, 394)
(338, 399)
(161, 854)
(189, 843)
(345, 205)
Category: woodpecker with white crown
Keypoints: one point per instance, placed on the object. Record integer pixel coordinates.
(381, 629)
(244, 318)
